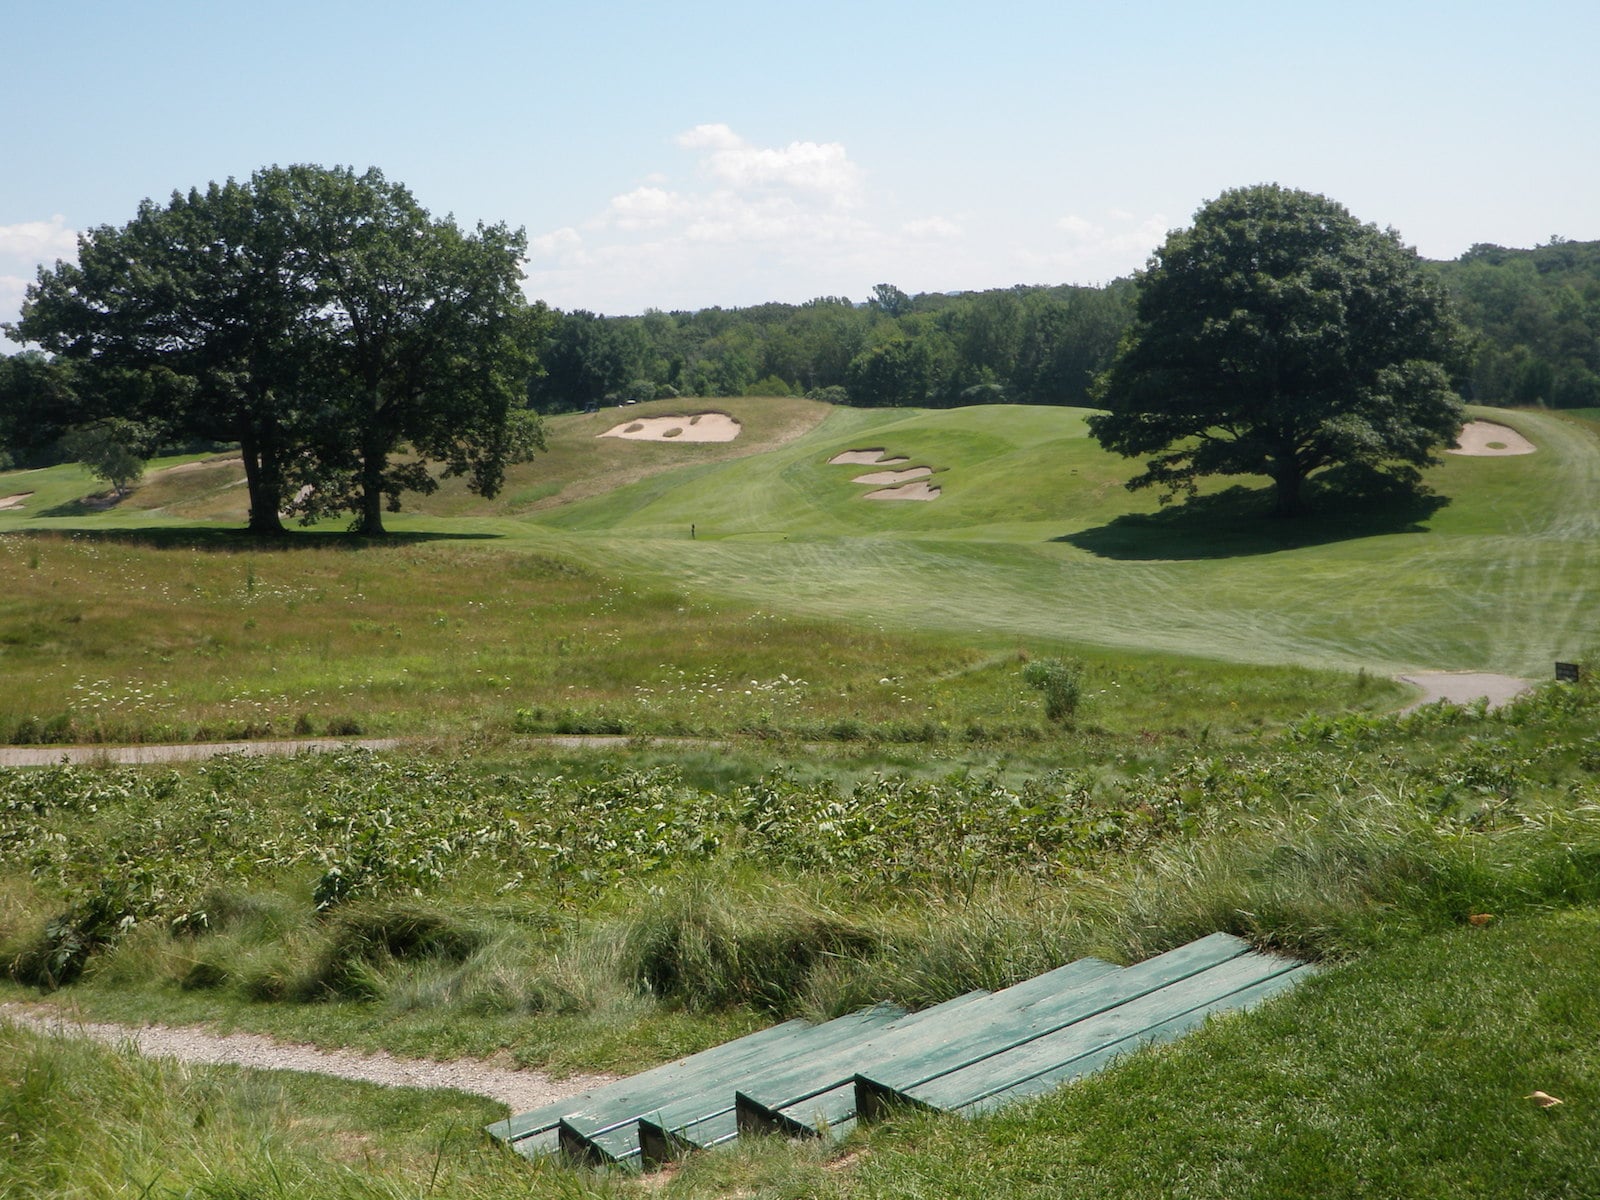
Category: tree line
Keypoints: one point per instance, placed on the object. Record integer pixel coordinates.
(1536, 314)
(1024, 345)
(1533, 317)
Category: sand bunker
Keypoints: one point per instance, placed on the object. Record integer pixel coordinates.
(891, 485)
(205, 464)
(864, 458)
(1486, 439)
(1464, 687)
(891, 478)
(701, 427)
(909, 491)
(14, 501)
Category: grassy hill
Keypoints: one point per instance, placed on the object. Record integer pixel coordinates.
(1031, 537)
(884, 811)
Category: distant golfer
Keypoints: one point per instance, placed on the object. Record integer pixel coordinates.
(691, 531)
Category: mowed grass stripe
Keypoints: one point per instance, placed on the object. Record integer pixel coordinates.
(1035, 537)
(1499, 578)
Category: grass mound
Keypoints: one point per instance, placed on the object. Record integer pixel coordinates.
(710, 945)
(363, 943)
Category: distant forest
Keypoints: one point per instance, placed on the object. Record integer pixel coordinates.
(1537, 317)
(1536, 314)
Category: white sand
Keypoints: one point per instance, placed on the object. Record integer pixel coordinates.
(14, 501)
(908, 491)
(864, 458)
(1464, 687)
(699, 427)
(231, 460)
(1486, 439)
(890, 478)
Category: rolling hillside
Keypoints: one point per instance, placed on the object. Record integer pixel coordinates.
(1031, 536)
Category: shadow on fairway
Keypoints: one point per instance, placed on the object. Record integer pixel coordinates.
(229, 540)
(1239, 521)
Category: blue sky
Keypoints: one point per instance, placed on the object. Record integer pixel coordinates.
(687, 154)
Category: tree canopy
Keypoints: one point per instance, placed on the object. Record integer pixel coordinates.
(1280, 336)
(347, 341)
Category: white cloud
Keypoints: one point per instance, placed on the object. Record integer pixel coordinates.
(710, 137)
(24, 247)
(789, 212)
(644, 208)
(38, 240)
(557, 241)
(931, 228)
(823, 168)
(735, 223)
(1103, 249)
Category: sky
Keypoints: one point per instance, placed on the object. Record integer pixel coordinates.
(686, 154)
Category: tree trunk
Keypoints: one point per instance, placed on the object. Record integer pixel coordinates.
(373, 462)
(1288, 503)
(264, 483)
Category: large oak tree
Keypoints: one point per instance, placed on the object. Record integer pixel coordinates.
(1280, 336)
(200, 294)
(351, 344)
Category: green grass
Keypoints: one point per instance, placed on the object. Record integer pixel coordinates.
(88, 1121)
(146, 636)
(591, 915)
(1035, 539)
(1034, 536)
(603, 615)
(1404, 1075)
(887, 812)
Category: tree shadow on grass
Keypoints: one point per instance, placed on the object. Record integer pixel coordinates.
(86, 506)
(230, 540)
(1342, 505)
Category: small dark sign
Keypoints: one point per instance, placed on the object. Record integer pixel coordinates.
(1567, 672)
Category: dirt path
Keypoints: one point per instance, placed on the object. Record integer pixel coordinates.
(1464, 687)
(521, 1090)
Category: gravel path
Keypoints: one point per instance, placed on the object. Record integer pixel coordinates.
(1464, 687)
(49, 756)
(521, 1090)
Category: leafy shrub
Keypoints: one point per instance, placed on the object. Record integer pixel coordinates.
(770, 386)
(57, 957)
(833, 394)
(1061, 681)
